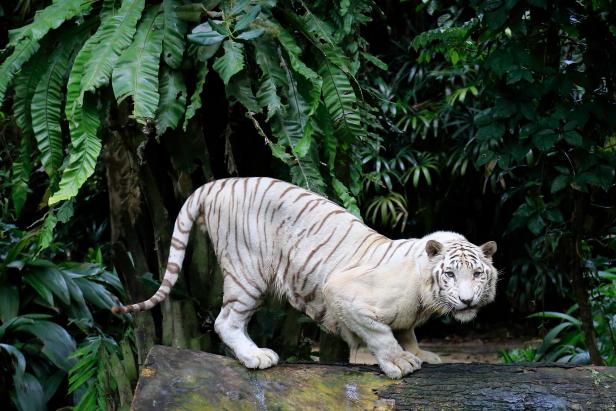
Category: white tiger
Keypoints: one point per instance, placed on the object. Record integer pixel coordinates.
(269, 234)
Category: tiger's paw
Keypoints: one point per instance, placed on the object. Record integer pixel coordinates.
(428, 357)
(400, 364)
(259, 358)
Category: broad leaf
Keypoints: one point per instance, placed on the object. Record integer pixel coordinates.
(136, 74)
(205, 35)
(83, 152)
(273, 76)
(29, 392)
(9, 302)
(46, 110)
(112, 37)
(20, 174)
(174, 34)
(13, 63)
(50, 18)
(58, 345)
(230, 63)
(172, 100)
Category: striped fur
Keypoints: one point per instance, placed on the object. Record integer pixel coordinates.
(271, 235)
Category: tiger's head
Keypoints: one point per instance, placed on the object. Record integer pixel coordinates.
(463, 277)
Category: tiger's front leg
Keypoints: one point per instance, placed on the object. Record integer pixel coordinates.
(408, 341)
(379, 338)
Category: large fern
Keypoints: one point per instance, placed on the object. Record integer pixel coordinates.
(11, 66)
(136, 74)
(83, 153)
(113, 36)
(172, 100)
(174, 34)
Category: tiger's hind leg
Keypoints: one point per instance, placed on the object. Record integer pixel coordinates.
(239, 303)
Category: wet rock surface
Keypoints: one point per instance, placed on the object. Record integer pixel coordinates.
(179, 379)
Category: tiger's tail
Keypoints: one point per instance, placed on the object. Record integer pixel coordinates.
(191, 210)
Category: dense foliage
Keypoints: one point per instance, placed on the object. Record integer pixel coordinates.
(496, 119)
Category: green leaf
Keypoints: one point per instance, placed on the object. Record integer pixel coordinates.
(204, 34)
(294, 52)
(13, 63)
(58, 345)
(46, 233)
(240, 88)
(46, 110)
(375, 61)
(172, 100)
(50, 18)
(112, 37)
(83, 152)
(545, 139)
(54, 281)
(574, 138)
(95, 293)
(136, 73)
(244, 21)
(9, 302)
(559, 183)
(273, 77)
(20, 175)
(29, 393)
(19, 357)
(349, 202)
(174, 34)
(341, 102)
(40, 287)
(230, 63)
(250, 34)
(195, 99)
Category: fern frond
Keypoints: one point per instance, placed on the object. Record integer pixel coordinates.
(172, 100)
(113, 36)
(46, 108)
(136, 74)
(25, 87)
(341, 102)
(272, 78)
(20, 175)
(294, 53)
(13, 63)
(240, 88)
(83, 151)
(195, 99)
(174, 34)
(50, 18)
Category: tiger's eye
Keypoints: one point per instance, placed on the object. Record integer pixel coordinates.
(477, 274)
(450, 274)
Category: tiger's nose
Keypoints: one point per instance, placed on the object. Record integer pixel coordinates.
(467, 302)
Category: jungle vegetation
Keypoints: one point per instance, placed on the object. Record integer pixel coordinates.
(493, 118)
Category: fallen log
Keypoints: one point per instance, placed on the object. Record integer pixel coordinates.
(182, 379)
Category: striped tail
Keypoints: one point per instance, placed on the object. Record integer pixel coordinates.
(191, 211)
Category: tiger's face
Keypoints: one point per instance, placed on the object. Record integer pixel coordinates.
(463, 277)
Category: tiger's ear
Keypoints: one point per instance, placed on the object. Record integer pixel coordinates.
(433, 248)
(488, 249)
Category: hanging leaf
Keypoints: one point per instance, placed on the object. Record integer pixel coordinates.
(172, 100)
(230, 63)
(50, 18)
(13, 63)
(174, 34)
(25, 87)
(240, 88)
(46, 109)
(273, 76)
(106, 45)
(195, 99)
(20, 175)
(136, 74)
(341, 101)
(83, 152)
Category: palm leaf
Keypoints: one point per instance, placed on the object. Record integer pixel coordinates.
(172, 100)
(174, 34)
(50, 18)
(136, 74)
(230, 63)
(112, 37)
(11, 66)
(46, 110)
(83, 152)
(195, 99)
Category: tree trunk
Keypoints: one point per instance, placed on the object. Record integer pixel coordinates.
(189, 380)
